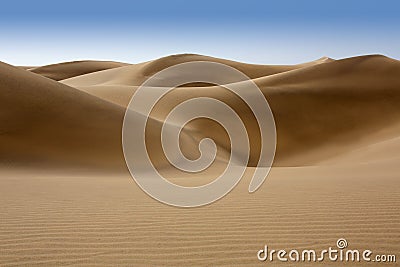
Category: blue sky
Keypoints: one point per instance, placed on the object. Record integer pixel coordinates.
(267, 32)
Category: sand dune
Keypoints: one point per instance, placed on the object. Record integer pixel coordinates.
(67, 198)
(135, 74)
(344, 105)
(48, 124)
(333, 107)
(67, 70)
(117, 85)
(346, 93)
(45, 122)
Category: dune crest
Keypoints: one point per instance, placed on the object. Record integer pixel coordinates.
(65, 70)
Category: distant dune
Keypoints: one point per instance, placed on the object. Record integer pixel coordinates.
(67, 70)
(67, 197)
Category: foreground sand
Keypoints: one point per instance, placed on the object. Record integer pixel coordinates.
(67, 199)
(85, 220)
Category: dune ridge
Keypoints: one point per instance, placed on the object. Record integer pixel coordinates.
(65, 70)
(135, 74)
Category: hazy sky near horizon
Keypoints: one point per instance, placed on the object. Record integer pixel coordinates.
(266, 32)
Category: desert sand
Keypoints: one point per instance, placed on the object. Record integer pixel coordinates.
(67, 197)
